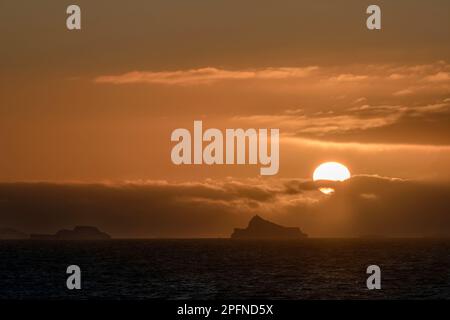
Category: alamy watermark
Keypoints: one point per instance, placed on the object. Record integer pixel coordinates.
(228, 148)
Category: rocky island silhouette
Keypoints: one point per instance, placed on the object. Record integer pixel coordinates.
(78, 233)
(259, 228)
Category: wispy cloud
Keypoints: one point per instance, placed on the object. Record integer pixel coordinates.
(372, 147)
(319, 125)
(348, 77)
(353, 102)
(438, 72)
(204, 75)
(403, 92)
(438, 77)
(359, 118)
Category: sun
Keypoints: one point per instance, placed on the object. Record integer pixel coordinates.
(331, 171)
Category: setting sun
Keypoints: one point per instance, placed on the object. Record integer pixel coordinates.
(331, 171)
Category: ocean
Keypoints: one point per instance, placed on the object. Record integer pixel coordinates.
(225, 269)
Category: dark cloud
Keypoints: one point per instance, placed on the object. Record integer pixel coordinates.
(361, 205)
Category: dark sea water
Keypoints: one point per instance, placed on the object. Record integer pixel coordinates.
(225, 269)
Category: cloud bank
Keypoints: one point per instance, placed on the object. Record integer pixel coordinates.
(360, 206)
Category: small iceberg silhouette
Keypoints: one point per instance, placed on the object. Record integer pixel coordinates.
(78, 233)
(12, 234)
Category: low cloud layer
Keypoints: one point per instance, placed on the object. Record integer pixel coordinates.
(362, 205)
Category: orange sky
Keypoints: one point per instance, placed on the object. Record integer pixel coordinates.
(99, 105)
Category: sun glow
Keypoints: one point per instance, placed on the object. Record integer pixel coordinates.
(330, 171)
